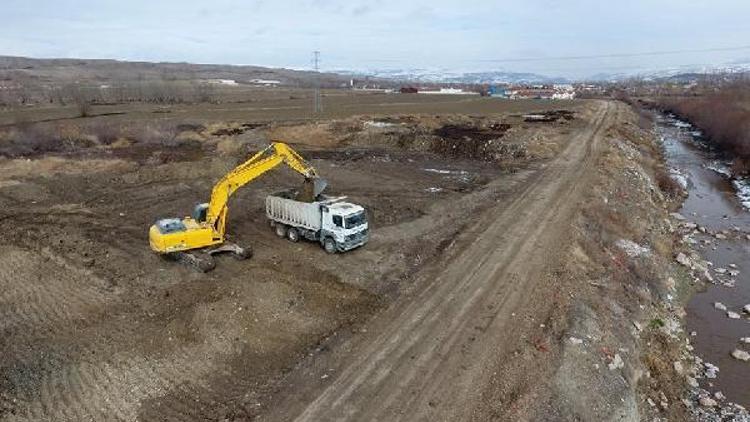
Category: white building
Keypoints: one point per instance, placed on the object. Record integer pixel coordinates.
(222, 81)
(265, 82)
(449, 91)
(563, 92)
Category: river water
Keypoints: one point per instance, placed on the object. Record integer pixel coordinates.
(713, 203)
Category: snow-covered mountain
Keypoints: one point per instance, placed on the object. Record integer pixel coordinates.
(682, 73)
(451, 76)
(439, 75)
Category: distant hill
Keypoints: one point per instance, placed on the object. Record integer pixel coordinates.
(102, 71)
(447, 76)
(685, 74)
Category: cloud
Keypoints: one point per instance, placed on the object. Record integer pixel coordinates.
(360, 10)
(379, 33)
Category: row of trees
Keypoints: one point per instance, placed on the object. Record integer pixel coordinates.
(724, 117)
(158, 92)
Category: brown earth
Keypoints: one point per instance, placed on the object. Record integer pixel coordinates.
(284, 104)
(97, 327)
(496, 242)
(534, 311)
(430, 355)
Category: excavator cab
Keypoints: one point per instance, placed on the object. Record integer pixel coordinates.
(200, 212)
(170, 225)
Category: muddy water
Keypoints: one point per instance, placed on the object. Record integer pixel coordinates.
(712, 203)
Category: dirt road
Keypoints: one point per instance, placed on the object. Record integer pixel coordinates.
(426, 357)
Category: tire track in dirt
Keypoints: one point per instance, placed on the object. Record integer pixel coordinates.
(51, 377)
(31, 305)
(108, 368)
(426, 357)
(115, 389)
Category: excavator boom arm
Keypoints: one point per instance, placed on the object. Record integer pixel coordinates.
(260, 163)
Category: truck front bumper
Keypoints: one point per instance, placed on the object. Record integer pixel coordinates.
(353, 243)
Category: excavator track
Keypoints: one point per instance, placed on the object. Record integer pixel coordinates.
(202, 262)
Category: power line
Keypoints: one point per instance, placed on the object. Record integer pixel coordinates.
(317, 102)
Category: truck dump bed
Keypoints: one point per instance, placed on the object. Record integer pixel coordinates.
(294, 213)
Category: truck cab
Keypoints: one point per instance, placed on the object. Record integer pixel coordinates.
(344, 227)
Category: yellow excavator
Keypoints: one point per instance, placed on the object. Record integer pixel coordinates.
(194, 240)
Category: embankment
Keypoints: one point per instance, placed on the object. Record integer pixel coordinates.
(625, 352)
(723, 117)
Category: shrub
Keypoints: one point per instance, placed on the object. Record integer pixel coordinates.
(163, 133)
(105, 133)
(667, 185)
(28, 139)
(723, 116)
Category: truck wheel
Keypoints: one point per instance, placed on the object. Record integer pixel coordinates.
(292, 234)
(280, 230)
(329, 245)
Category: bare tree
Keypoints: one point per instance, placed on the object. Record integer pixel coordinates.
(84, 106)
(4, 99)
(80, 98)
(203, 92)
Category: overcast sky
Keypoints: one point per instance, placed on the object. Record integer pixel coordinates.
(386, 34)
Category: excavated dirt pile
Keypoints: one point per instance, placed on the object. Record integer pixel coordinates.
(468, 142)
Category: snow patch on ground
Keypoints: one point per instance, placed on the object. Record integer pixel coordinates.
(741, 184)
(742, 187)
(720, 167)
(632, 249)
(379, 125)
(679, 176)
(440, 171)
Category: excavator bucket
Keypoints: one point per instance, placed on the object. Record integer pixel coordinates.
(319, 185)
(312, 187)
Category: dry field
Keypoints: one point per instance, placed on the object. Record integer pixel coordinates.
(94, 326)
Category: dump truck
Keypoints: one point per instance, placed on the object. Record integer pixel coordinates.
(337, 225)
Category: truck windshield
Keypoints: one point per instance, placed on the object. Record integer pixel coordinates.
(355, 220)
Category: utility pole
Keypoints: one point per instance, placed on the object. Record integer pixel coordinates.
(317, 102)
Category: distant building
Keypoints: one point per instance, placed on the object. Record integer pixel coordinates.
(533, 93)
(408, 90)
(589, 90)
(498, 91)
(563, 92)
(222, 81)
(265, 82)
(564, 95)
(448, 91)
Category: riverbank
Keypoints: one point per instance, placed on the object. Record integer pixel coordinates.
(625, 353)
(633, 271)
(722, 115)
(714, 231)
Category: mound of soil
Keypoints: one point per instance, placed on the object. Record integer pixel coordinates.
(464, 141)
(461, 132)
